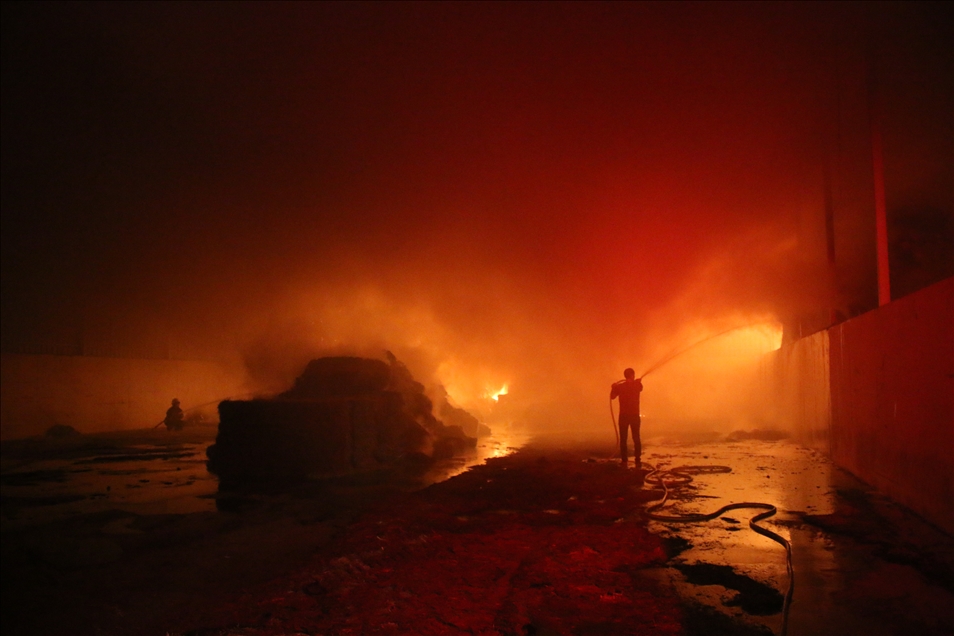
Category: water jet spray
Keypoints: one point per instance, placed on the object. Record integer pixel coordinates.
(216, 401)
(671, 356)
(682, 475)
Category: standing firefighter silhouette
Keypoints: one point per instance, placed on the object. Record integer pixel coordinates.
(174, 417)
(628, 391)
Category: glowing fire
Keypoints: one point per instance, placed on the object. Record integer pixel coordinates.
(495, 395)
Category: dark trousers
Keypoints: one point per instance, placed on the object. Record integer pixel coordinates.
(626, 423)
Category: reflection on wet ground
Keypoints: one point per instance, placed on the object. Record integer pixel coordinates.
(504, 441)
(117, 533)
(143, 472)
(846, 582)
(148, 472)
(84, 518)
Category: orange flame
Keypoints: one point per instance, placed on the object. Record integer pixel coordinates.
(495, 395)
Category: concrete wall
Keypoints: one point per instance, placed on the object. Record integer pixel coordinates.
(94, 394)
(877, 394)
(802, 390)
(892, 396)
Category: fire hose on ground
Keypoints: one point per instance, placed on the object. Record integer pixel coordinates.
(683, 475)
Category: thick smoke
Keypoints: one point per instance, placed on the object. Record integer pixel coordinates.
(531, 195)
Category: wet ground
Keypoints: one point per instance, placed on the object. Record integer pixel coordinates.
(128, 534)
(863, 565)
(119, 533)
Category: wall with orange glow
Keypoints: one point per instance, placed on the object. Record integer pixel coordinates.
(892, 399)
(95, 394)
(802, 390)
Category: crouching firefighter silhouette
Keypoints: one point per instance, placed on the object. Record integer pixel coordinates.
(628, 391)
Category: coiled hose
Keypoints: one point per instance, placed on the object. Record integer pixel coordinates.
(682, 475)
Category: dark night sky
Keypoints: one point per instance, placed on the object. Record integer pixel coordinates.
(523, 191)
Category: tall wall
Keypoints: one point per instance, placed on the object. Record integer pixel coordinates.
(877, 394)
(802, 390)
(94, 394)
(892, 396)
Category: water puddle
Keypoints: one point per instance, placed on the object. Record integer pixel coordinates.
(145, 473)
(504, 441)
(106, 473)
(716, 557)
(841, 584)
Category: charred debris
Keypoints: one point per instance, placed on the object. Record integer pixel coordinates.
(344, 415)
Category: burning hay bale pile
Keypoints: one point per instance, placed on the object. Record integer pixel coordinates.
(343, 415)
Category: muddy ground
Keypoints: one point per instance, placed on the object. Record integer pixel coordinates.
(552, 539)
